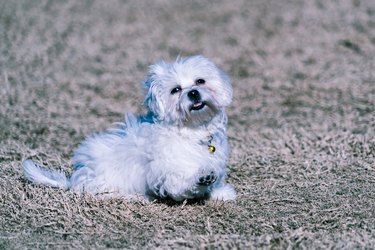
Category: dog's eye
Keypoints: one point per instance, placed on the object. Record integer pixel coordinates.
(176, 90)
(200, 81)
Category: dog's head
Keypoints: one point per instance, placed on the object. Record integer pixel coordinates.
(190, 91)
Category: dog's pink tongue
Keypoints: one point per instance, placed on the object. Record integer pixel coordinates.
(198, 104)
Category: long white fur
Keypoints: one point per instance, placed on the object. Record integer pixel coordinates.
(40, 175)
(164, 153)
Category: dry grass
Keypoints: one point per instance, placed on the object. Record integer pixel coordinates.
(302, 125)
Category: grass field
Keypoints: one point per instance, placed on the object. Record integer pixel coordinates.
(301, 126)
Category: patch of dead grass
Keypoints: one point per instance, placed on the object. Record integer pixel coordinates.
(301, 125)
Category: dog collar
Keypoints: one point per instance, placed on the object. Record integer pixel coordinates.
(211, 148)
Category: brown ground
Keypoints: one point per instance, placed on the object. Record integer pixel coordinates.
(302, 124)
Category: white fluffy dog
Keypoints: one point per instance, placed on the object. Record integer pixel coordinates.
(178, 150)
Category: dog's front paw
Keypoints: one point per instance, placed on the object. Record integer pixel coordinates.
(223, 193)
(207, 180)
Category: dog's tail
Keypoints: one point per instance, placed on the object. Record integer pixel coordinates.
(39, 175)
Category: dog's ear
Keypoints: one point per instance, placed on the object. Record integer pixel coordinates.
(226, 90)
(223, 85)
(153, 90)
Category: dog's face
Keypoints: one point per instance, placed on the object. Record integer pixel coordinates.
(189, 92)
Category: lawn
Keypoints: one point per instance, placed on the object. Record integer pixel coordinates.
(301, 125)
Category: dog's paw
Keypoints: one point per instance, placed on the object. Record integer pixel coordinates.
(223, 193)
(207, 180)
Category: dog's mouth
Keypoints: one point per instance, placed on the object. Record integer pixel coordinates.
(197, 106)
(200, 112)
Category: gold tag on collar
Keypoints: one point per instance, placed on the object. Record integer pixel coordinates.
(211, 148)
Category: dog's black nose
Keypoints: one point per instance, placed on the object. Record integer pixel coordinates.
(194, 95)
